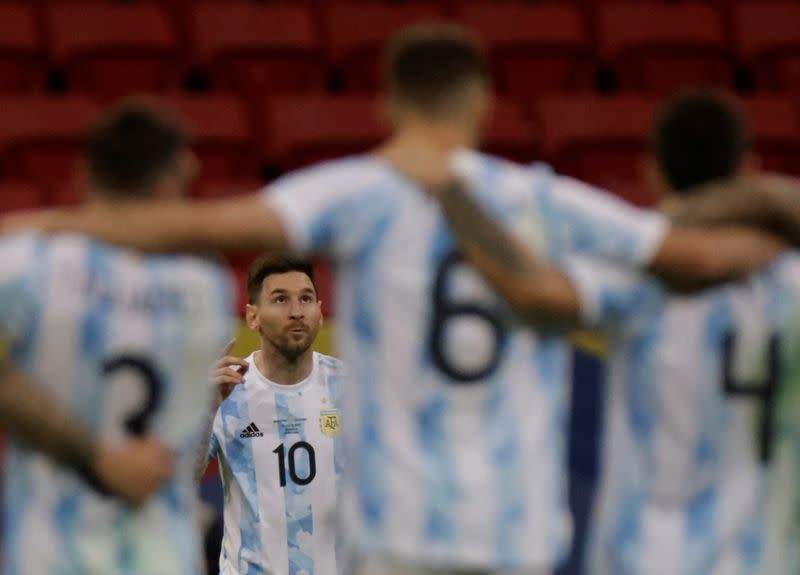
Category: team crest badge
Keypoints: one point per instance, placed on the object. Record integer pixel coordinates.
(329, 422)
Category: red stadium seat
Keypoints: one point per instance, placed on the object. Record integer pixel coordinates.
(21, 59)
(41, 137)
(257, 48)
(658, 46)
(510, 133)
(356, 32)
(534, 48)
(221, 128)
(767, 35)
(600, 140)
(301, 130)
(774, 123)
(113, 49)
(19, 195)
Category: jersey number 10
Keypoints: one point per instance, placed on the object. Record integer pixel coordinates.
(280, 451)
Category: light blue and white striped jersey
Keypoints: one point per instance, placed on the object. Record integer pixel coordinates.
(691, 433)
(280, 459)
(456, 420)
(124, 341)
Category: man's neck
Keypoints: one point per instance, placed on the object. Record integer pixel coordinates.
(279, 369)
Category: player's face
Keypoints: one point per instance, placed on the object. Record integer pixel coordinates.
(288, 314)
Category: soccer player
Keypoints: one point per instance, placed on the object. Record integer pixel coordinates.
(455, 421)
(133, 470)
(695, 382)
(276, 437)
(123, 341)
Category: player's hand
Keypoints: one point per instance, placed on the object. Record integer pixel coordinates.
(228, 372)
(134, 470)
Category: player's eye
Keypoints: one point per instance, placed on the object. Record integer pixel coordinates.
(280, 299)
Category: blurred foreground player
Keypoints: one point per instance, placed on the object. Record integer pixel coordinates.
(276, 436)
(455, 421)
(123, 341)
(695, 380)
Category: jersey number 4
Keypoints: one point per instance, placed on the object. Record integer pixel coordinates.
(763, 391)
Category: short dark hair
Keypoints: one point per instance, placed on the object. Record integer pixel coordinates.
(131, 146)
(699, 136)
(270, 264)
(427, 64)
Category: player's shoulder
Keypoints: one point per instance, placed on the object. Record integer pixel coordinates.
(500, 177)
(330, 365)
(346, 173)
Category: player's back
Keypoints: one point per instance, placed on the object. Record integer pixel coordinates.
(125, 341)
(691, 429)
(456, 420)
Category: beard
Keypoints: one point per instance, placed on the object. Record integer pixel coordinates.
(292, 348)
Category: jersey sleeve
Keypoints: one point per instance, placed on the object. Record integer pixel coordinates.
(580, 217)
(18, 305)
(328, 209)
(609, 293)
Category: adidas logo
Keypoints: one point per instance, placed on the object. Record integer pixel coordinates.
(251, 431)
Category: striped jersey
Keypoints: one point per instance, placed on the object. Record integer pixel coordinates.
(695, 423)
(279, 454)
(124, 341)
(455, 421)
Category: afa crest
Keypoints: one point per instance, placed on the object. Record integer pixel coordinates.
(329, 422)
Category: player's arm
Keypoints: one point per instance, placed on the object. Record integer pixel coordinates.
(177, 225)
(691, 258)
(133, 471)
(767, 201)
(536, 289)
(228, 372)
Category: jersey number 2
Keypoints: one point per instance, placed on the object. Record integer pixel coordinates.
(138, 423)
(763, 391)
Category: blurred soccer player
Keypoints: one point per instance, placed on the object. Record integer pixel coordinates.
(133, 470)
(691, 424)
(123, 341)
(276, 437)
(455, 421)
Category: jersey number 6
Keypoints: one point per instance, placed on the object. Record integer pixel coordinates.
(445, 311)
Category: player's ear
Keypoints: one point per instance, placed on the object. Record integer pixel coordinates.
(251, 316)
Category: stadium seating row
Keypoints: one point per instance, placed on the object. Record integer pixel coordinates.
(597, 138)
(110, 49)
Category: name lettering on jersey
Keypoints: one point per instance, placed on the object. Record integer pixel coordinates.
(291, 424)
(329, 422)
(251, 431)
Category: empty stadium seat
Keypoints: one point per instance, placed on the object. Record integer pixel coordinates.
(774, 124)
(767, 35)
(41, 137)
(533, 48)
(221, 130)
(21, 58)
(600, 140)
(113, 49)
(356, 32)
(301, 130)
(659, 46)
(20, 195)
(510, 133)
(257, 47)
